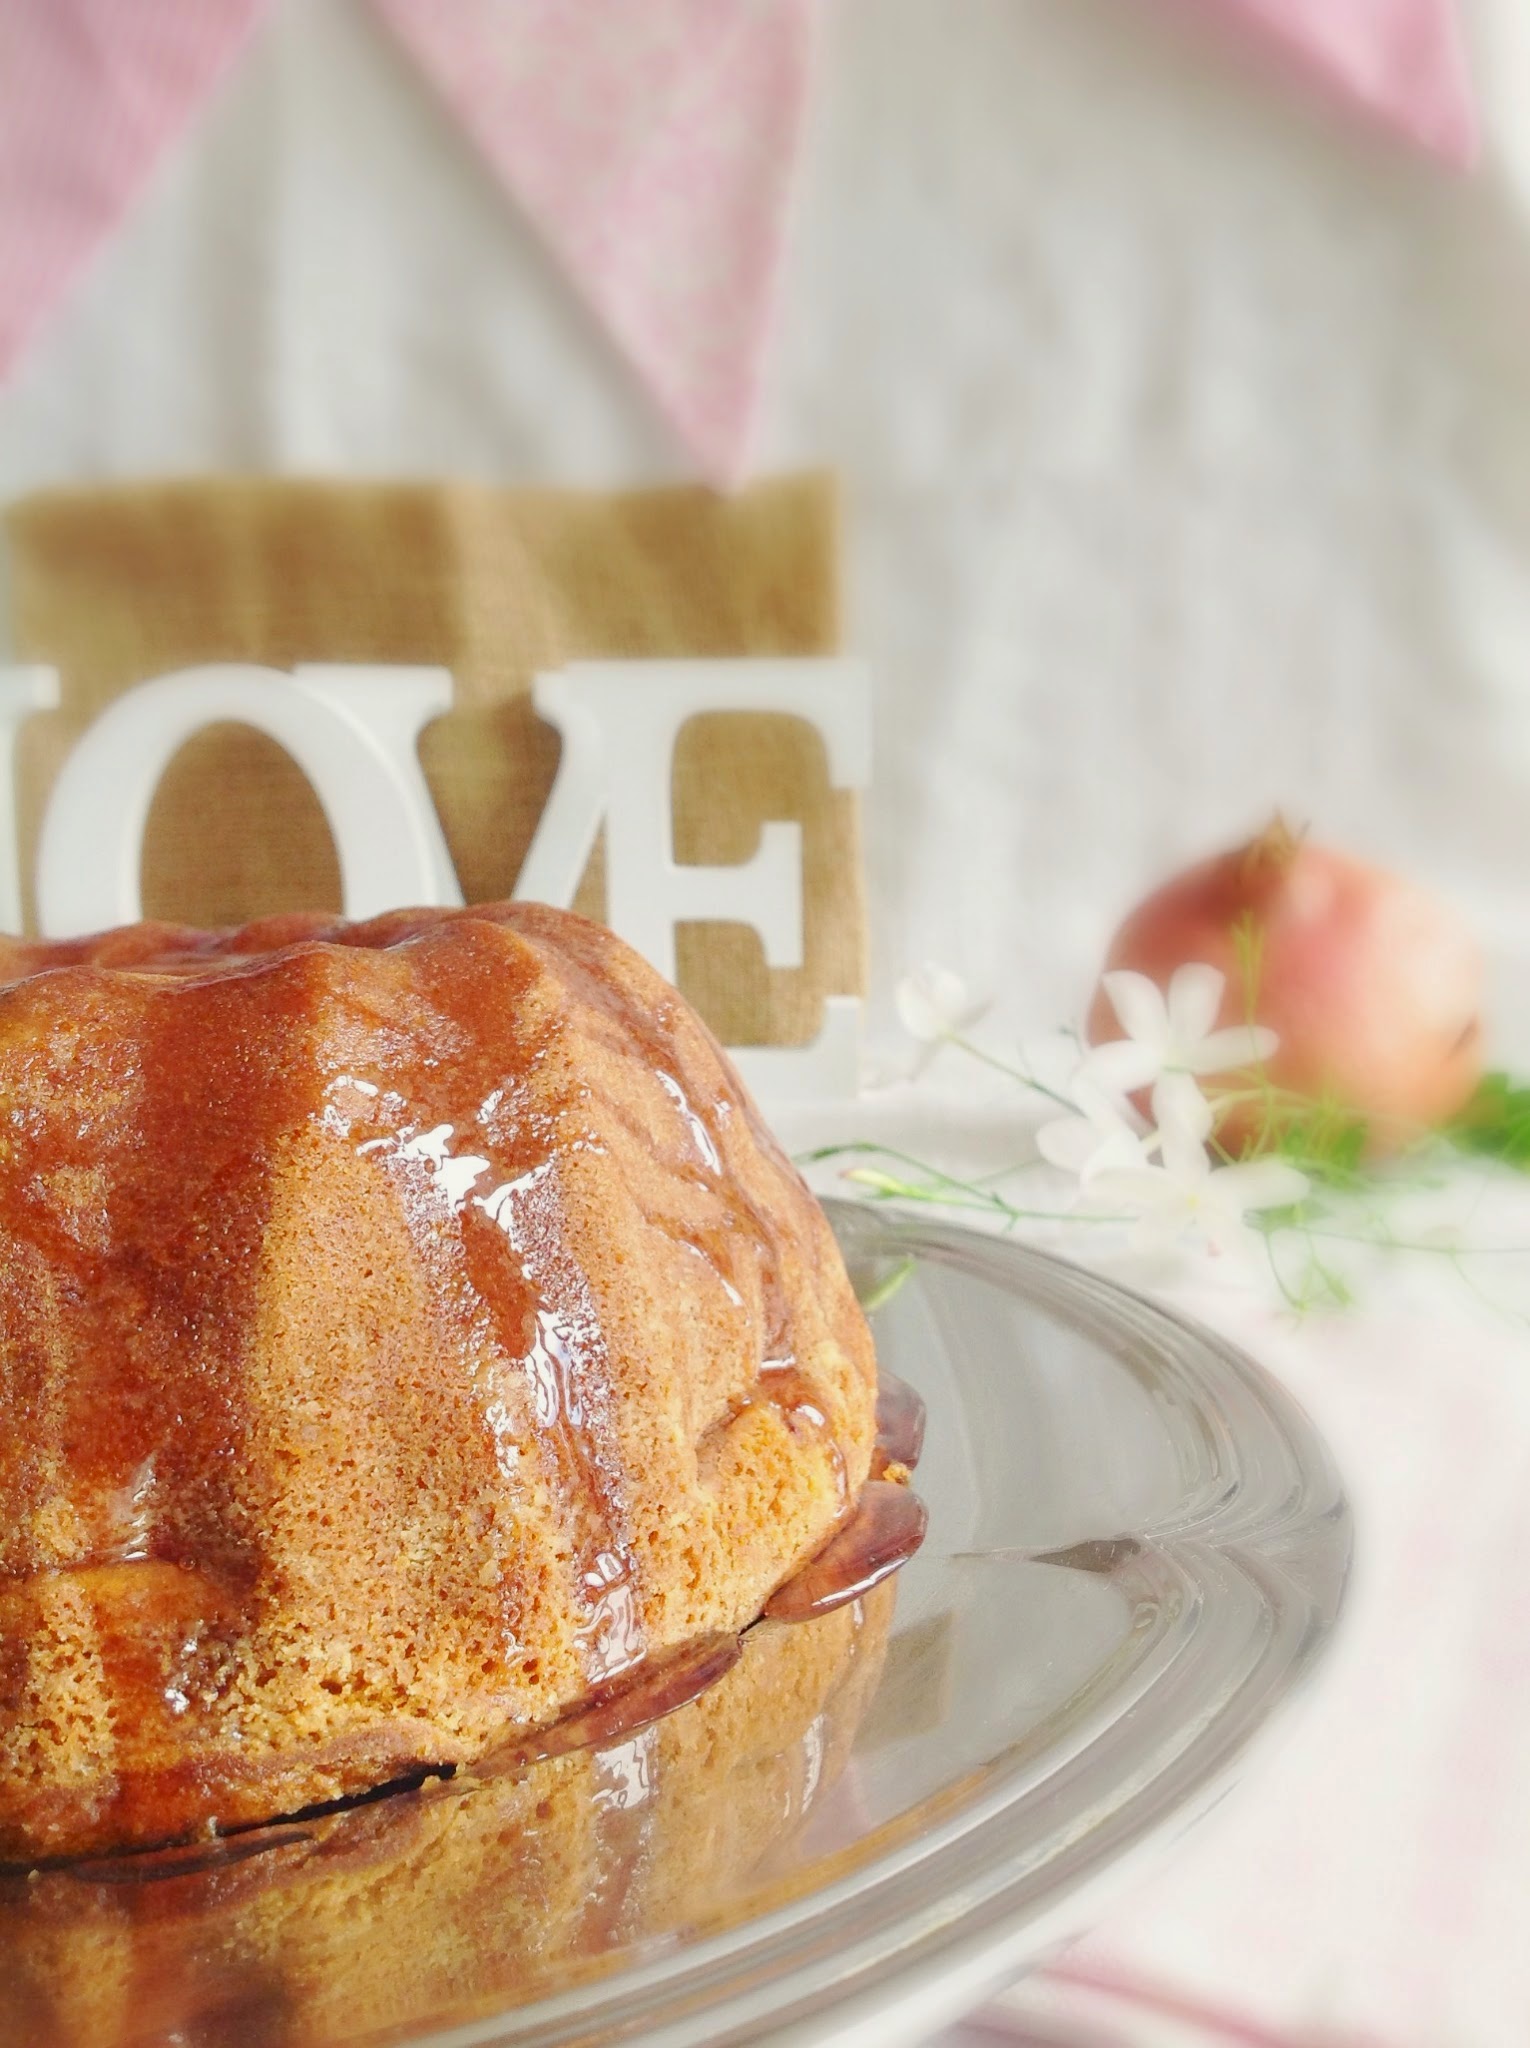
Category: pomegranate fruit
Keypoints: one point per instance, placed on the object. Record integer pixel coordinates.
(1373, 985)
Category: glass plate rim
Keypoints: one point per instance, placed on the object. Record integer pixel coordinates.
(860, 1949)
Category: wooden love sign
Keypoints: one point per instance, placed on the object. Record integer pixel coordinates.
(354, 730)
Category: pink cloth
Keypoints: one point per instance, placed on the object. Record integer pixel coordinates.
(91, 91)
(1402, 62)
(651, 142)
(652, 146)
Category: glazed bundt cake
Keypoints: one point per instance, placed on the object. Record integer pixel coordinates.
(397, 1917)
(405, 1329)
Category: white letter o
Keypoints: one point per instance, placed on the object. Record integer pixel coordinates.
(352, 730)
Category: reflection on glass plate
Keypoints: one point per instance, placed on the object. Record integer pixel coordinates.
(1136, 1546)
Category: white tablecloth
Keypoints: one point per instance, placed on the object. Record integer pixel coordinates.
(1186, 434)
(1363, 1885)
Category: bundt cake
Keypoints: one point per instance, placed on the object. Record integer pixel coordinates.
(404, 1915)
(405, 1329)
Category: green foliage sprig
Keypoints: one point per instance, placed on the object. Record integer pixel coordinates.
(1495, 1124)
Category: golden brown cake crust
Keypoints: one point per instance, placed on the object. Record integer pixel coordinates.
(403, 1328)
(444, 1905)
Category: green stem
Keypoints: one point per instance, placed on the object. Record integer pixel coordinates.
(945, 1190)
(1019, 1074)
(866, 1149)
(882, 1293)
(1389, 1243)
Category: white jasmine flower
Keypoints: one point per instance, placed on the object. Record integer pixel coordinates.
(1187, 1192)
(933, 1003)
(1105, 1135)
(1170, 1038)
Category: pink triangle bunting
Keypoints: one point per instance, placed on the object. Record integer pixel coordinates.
(651, 143)
(652, 146)
(1401, 62)
(91, 91)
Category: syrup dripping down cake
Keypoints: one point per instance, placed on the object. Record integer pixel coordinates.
(406, 1330)
(400, 1916)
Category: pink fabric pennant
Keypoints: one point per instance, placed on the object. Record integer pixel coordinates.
(1402, 62)
(650, 142)
(91, 91)
(652, 146)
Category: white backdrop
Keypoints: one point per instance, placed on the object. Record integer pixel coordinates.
(1185, 428)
